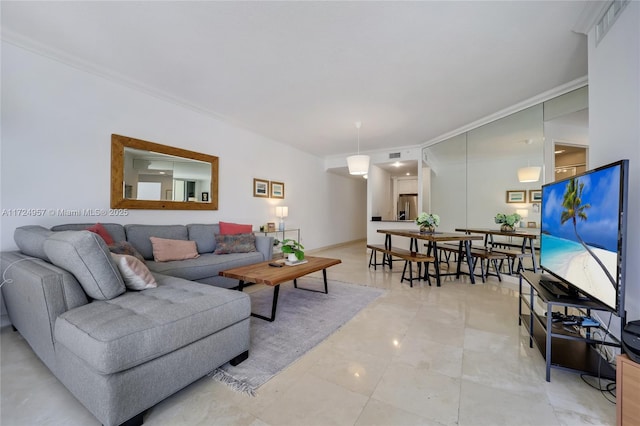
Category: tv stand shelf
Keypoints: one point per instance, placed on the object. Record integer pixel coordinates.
(561, 348)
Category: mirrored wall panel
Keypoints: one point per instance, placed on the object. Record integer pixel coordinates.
(501, 166)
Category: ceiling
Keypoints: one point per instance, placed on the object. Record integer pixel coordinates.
(303, 73)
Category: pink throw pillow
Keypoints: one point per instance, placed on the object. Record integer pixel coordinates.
(228, 228)
(102, 231)
(165, 250)
(135, 273)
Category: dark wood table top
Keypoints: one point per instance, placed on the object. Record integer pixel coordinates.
(430, 236)
(262, 273)
(517, 233)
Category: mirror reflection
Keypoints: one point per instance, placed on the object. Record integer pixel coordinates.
(465, 178)
(151, 175)
(147, 175)
(446, 165)
(496, 152)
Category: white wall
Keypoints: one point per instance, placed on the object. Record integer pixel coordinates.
(614, 126)
(57, 123)
(380, 193)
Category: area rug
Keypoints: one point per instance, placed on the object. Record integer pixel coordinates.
(303, 319)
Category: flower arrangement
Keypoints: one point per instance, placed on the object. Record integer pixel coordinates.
(427, 220)
(507, 220)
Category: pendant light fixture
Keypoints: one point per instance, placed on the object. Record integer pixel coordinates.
(529, 174)
(358, 164)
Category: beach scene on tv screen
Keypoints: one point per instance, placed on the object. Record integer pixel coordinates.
(580, 232)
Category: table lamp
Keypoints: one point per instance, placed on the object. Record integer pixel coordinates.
(282, 212)
(524, 213)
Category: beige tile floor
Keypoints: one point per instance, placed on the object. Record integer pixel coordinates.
(416, 356)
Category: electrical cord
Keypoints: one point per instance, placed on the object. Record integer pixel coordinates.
(6, 280)
(607, 387)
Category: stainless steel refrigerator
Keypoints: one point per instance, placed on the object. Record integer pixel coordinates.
(407, 206)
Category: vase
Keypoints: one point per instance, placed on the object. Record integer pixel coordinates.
(426, 228)
(506, 228)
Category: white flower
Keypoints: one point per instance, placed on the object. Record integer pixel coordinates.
(428, 219)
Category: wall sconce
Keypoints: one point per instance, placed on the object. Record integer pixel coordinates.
(282, 212)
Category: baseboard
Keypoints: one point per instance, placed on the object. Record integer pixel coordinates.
(310, 252)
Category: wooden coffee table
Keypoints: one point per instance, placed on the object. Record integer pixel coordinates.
(262, 273)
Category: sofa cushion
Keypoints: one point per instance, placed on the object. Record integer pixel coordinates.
(239, 243)
(118, 334)
(165, 250)
(134, 272)
(30, 239)
(206, 266)
(87, 257)
(204, 236)
(123, 247)
(228, 228)
(115, 230)
(102, 231)
(138, 236)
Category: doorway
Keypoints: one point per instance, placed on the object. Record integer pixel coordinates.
(569, 160)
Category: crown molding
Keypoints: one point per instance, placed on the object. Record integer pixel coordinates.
(73, 61)
(542, 97)
(591, 13)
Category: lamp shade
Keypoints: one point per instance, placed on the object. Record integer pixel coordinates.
(282, 211)
(358, 164)
(529, 174)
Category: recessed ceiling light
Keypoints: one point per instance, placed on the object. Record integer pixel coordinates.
(408, 174)
(397, 164)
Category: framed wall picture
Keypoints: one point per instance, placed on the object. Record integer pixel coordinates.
(535, 195)
(260, 188)
(205, 197)
(277, 189)
(517, 196)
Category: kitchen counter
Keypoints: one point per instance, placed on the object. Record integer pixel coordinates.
(374, 237)
(394, 221)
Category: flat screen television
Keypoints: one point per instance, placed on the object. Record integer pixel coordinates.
(583, 229)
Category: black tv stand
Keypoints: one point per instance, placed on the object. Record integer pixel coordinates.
(558, 289)
(568, 349)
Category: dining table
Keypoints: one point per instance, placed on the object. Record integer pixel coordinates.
(528, 239)
(432, 239)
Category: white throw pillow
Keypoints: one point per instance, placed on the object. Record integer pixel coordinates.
(135, 273)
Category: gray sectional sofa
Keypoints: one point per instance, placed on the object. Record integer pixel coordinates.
(120, 351)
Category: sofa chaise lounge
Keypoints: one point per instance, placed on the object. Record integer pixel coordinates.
(120, 351)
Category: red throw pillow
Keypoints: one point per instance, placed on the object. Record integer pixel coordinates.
(102, 231)
(227, 228)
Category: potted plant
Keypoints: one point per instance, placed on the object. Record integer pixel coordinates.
(293, 249)
(428, 222)
(508, 221)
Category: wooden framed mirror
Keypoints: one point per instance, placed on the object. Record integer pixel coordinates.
(148, 175)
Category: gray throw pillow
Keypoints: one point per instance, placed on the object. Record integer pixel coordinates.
(87, 257)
